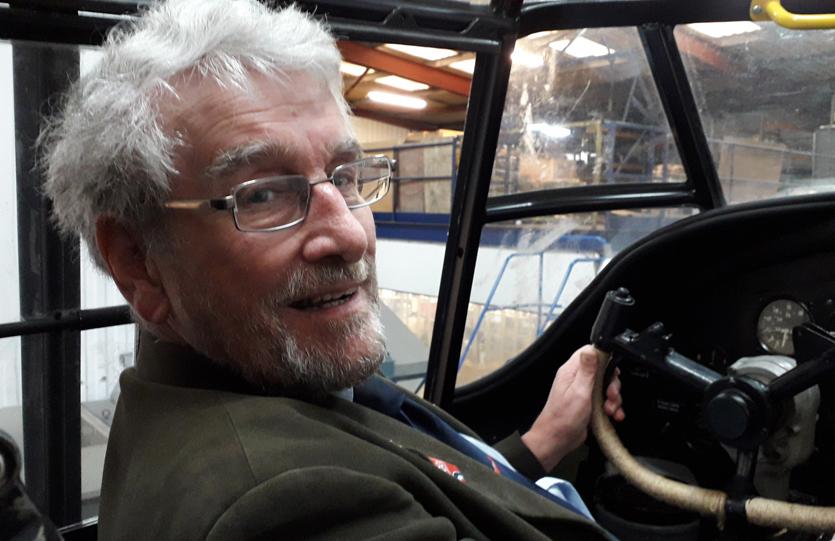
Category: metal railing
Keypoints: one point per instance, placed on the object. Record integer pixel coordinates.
(400, 154)
(543, 315)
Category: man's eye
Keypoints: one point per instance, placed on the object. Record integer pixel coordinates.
(344, 178)
(259, 197)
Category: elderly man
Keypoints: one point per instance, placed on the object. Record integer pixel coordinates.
(209, 163)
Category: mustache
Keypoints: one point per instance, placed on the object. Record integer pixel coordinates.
(306, 281)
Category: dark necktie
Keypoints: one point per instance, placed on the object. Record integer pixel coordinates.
(388, 400)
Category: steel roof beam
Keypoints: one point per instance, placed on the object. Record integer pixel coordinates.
(704, 52)
(410, 69)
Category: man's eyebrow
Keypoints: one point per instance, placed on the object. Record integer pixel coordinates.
(234, 158)
(346, 150)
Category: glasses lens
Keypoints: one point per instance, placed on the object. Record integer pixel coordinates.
(271, 202)
(363, 182)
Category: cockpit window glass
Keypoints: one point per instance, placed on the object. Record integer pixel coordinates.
(10, 307)
(529, 271)
(766, 96)
(11, 398)
(104, 354)
(581, 109)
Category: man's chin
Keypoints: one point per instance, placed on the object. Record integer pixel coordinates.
(290, 361)
(315, 377)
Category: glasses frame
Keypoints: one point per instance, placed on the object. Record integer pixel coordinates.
(229, 202)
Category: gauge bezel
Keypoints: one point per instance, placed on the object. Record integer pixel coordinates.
(778, 298)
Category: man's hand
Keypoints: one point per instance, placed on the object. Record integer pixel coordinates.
(563, 423)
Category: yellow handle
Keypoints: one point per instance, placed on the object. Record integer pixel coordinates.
(773, 10)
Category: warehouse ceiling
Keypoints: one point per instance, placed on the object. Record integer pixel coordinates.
(719, 66)
(441, 81)
(402, 88)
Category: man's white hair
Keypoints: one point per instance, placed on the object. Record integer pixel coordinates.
(107, 153)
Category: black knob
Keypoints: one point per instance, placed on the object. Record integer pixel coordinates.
(612, 319)
(728, 414)
(621, 296)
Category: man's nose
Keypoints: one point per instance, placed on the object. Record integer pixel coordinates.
(331, 228)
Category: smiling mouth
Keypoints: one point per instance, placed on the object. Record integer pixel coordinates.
(325, 301)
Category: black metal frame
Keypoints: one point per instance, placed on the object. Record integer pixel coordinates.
(587, 199)
(683, 114)
(563, 15)
(49, 295)
(49, 280)
(489, 86)
(69, 320)
(436, 23)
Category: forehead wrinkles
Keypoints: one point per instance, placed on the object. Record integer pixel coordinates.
(188, 98)
(232, 159)
(229, 160)
(269, 124)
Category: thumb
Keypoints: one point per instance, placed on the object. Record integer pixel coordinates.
(584, 380)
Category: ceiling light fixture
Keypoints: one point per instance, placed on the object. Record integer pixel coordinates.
(723, 30)
(402, 83)
(581, 47)
(538, 35)
(353, 69)
(467, 66)
(397, 100)
(554, 131)
(427, 53)
(527, 59)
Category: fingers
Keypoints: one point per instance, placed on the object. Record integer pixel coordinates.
(613, 390)
(614, 401)
(614, 409)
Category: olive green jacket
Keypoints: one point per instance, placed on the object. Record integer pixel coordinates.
(193, 454)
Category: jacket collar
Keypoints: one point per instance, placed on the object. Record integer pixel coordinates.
(179, 365)
(168, 363)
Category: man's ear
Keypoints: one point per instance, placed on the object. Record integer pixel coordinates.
(135, 274)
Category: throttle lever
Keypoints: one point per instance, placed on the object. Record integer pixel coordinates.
(736, 409)
(732, 399)
(650, 348)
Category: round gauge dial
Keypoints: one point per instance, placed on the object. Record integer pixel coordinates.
(775, 324)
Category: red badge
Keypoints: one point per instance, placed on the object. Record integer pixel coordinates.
(496, 469)
(447, 468)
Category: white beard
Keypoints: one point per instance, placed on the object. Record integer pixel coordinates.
(265, 353)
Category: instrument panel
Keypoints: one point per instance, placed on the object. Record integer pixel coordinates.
(754, 312)
(775, 324)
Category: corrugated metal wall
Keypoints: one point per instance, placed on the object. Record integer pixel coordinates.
(373, 134)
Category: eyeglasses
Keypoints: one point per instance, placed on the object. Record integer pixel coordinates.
(275, 203)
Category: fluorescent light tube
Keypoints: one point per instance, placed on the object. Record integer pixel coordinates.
(402, 83)
(581, 47)
(723, 30)
(353, 69)
(554, 131)
(467, 66)
(397, 100)
(526, 59)
(427, 53)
